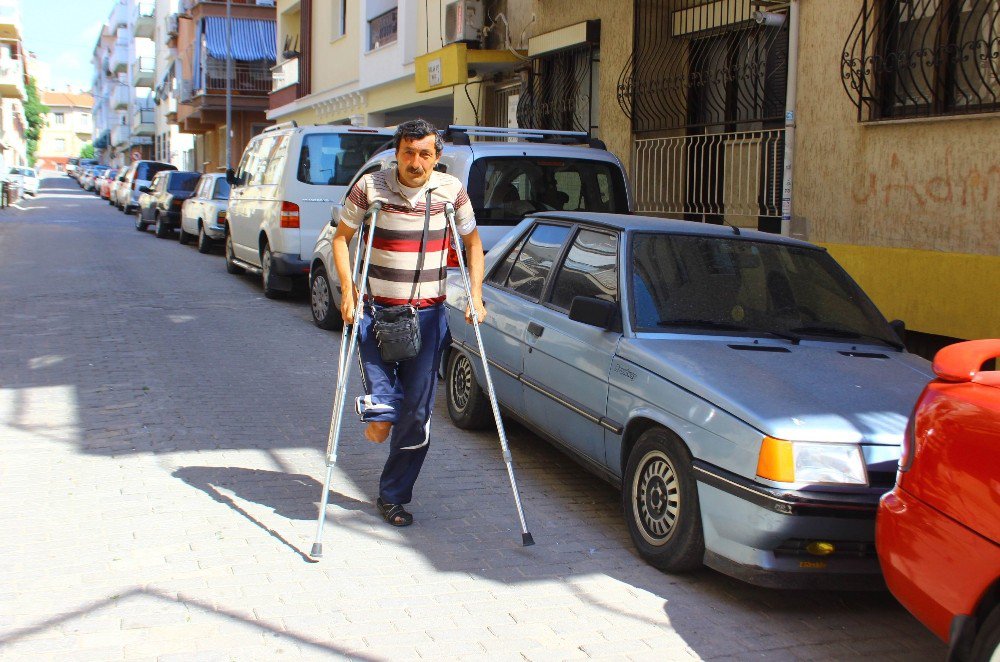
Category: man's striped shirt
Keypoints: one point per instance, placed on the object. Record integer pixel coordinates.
(400, 224)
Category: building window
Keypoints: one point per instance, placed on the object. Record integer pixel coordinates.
(60, 145)
(923, 58)
(382, 29)
(339, 19)
(58, 118)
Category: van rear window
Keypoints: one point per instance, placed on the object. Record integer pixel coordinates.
(505, 189)
(332, 159)
(145, 171)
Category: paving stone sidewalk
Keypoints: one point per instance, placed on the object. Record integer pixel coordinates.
(162, 428)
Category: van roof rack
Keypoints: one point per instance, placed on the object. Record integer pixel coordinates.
(281, 125)
(459, 134)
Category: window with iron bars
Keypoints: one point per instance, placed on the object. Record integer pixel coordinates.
(923, 58)
(382, 29)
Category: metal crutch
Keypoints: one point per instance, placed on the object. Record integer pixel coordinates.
(449, 210)
(347, 345)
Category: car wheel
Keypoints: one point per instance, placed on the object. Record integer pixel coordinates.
(986, 647)
(231, 265)
(140, 224)
(267, 275)
(468, 405)
(183, 237)
(162, 232)
(660, 500)
(204, 243)
(324, 313)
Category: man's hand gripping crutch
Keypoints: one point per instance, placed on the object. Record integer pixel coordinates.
(472, 315)
(348, 343)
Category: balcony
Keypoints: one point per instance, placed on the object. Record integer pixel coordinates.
(143, 72)
(118, 58)
(144, 122)
(120, 135)
(173, 22)
(118, 18)
(285, 74)
(12, 79)
(250, 85)
(10, 20)
(145, 21)
(121, 97)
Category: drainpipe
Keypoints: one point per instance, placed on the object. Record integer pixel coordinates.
(790, 95)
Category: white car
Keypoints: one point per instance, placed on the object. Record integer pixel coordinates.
(506, 181)
(26, 178)
(131, 181)
(286, 183)
(204, 213)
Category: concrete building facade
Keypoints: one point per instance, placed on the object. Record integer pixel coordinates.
(169, 144)
(68, 127)
(13, 81)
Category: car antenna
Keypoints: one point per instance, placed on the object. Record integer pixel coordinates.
(736, 230)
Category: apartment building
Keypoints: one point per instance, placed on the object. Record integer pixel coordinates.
(124, 63)
(68, 127)
(169, 144)
(204, 80)
(13, 78)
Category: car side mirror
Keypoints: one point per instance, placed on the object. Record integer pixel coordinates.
(145, 189)
(232, 179)
(593, 311)
(899, 327)
(122, 178)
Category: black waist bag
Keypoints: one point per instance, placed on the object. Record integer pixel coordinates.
(397, 331)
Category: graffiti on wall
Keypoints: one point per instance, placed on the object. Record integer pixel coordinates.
(927, 183)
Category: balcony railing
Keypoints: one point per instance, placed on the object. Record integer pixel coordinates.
(120, 135)
(144, 70)
(12, 78)
(248, 79)
(145, 24)
(121, 97)
(119, 57)
(10, 15)
(144, 122)
(285, 74)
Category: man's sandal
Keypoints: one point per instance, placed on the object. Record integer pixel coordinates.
(394, 513)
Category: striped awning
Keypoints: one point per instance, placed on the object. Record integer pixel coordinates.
(252, 39)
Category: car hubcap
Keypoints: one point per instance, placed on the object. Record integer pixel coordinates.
(461, 383)
(656, 497)
(320, 297)
(265, 266)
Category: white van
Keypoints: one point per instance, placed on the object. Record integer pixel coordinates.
(282, 194)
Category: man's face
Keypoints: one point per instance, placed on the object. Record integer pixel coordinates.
(416, 160)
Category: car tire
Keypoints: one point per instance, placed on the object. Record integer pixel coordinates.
(183, 238)
(660, 501)
(266, 274)
(205, 244)
(468, 405)
(324, 313)
(231, 266)
(140, 224)
(986, 646)
(162, 231)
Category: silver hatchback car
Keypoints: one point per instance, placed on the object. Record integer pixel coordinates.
(745, 394)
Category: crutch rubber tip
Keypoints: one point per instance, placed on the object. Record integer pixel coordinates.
(317, 550)
(527, 540)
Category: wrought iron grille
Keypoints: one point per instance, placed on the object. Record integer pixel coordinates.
(382, 29)
(923, 58)
(559, 91)
(698, 63)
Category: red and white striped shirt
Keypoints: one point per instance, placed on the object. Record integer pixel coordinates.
(398, 230)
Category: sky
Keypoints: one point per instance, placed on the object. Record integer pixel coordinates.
(62, 33)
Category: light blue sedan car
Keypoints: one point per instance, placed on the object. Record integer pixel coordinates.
(745, 394)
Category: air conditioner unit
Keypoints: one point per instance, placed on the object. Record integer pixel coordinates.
(463, 19)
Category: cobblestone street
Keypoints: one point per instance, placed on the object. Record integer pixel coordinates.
(163, 427)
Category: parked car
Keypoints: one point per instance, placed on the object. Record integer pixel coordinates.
(113, 184)
(204, 214)
(139, 174)
(506, 181)
(74, 166)
(287, 180)
(938, 530)
(745, 394)
(160, 202)
(101, 181)
(90, 173)
(26, 178)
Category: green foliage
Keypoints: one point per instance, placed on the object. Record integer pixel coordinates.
(87, 151)
(34, 111)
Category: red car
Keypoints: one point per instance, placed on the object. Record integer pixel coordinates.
(938, 531)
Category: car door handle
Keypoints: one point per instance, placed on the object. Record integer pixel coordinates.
(535, 329)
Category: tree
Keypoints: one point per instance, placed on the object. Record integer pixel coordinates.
(34, 112)
(87, 151)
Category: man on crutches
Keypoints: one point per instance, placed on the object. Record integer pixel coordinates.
(407, 269)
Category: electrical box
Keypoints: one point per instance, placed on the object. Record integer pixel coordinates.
(463, 19)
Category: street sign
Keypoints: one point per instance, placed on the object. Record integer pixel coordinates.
(136, 155)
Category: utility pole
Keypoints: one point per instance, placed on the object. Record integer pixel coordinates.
(229, 84)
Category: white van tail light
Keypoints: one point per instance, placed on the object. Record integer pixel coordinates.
(289, 215)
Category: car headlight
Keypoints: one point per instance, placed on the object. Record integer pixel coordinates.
(811, 462)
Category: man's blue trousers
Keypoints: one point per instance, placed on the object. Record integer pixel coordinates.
(402, 394)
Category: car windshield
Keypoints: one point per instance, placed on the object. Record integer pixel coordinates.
(332, 159)
(27, 172)
(183, 181)
(221, 191)
(683, 283)
(505, 189)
